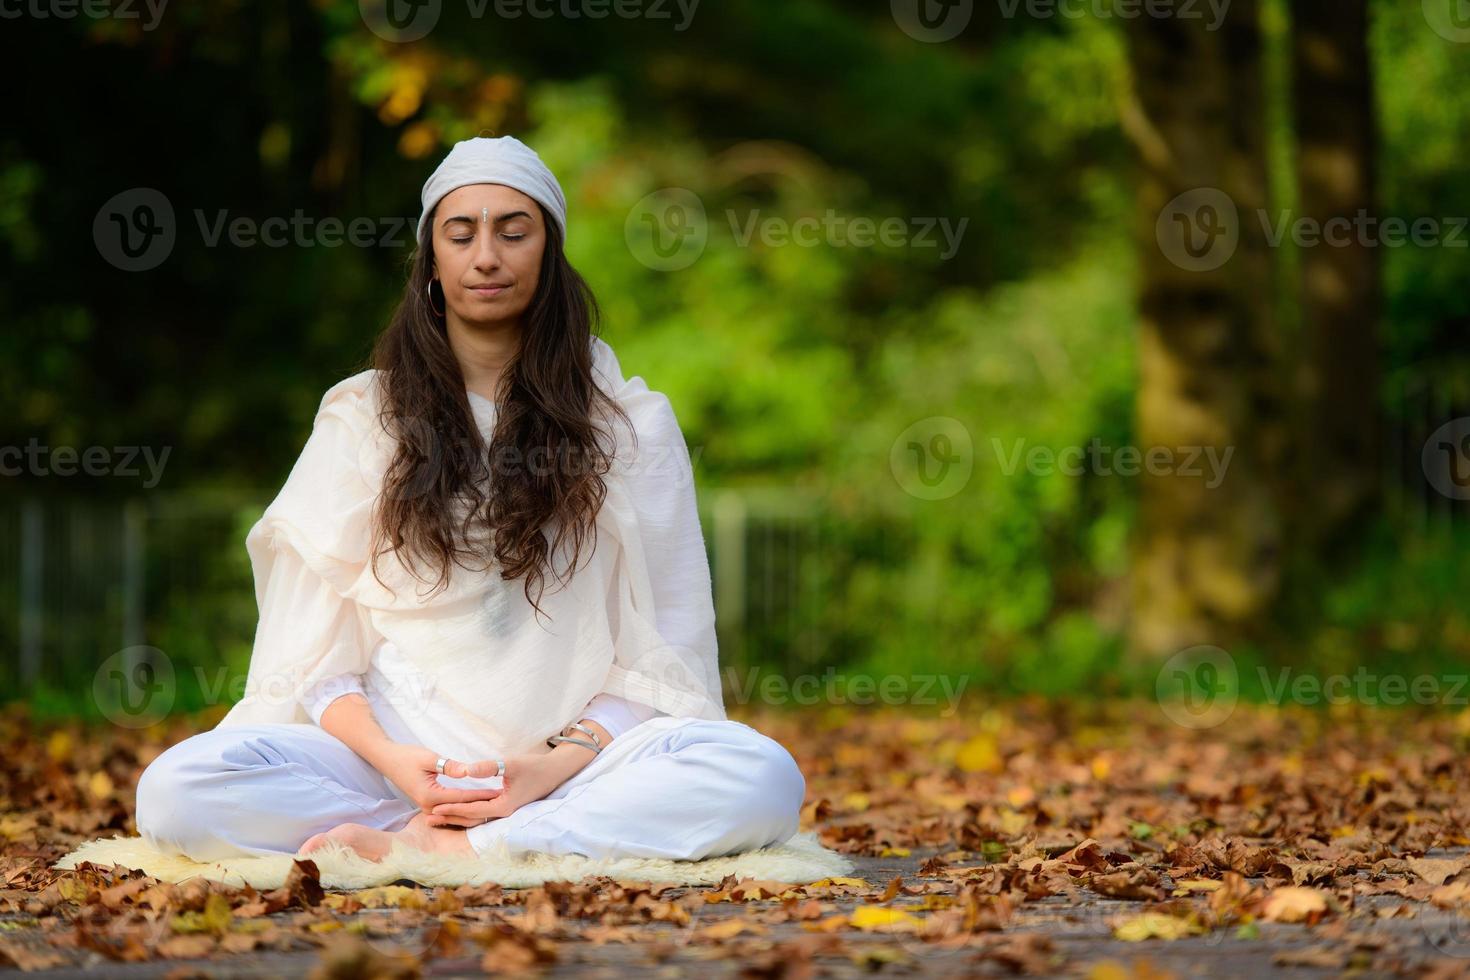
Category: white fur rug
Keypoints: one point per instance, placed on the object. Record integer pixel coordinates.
(800, 860)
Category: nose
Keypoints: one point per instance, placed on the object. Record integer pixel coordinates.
(487, 252)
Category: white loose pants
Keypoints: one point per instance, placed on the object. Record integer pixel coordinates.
(681, 788)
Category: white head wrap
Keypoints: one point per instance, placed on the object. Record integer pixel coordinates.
(495, 160)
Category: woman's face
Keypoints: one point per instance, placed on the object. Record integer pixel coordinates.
(488, 241)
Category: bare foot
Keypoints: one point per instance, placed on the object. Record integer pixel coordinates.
(375, 844)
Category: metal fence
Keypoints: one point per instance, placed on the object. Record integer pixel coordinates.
(83, 579)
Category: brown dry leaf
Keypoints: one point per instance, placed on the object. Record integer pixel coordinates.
(1308, 872)
(381, 897)
(1027, 953)
(601, 934)
(350, 957)
(1142, 884)
(1454, 895)
(728, 929)
(1436, 870)
(186, 947)
(1321, 959)
(510, 950)
(27, 957)
(1140, 969)
(116, 896)
(303, 885)
(242, 942)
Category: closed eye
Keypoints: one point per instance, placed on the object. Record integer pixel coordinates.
(462, 241)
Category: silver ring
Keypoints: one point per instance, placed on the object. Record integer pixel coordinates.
(501, 764)
(440, 763)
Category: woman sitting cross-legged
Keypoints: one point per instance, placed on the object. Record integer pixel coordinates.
(485, 608)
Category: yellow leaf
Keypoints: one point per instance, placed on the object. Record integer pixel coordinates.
(59, 745)
(1197, 885)
(14, 826)
(980, 754)
(729, 929)
(100, 785)
(391, 897)
(1294, 904)
(894, 852)
(1155, 925)
(1012, 823)
(876, 918)
(857, 802)
(953, 802)
(854, 882)
(72, 889)
(215, 918)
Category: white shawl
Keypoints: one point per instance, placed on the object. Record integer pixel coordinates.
(474, 668)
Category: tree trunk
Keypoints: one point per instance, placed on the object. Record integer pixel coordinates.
(1337, 379)
(1207, 551)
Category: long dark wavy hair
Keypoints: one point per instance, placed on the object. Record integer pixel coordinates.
(449, 495)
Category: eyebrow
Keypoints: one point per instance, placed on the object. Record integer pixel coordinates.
(500, 219)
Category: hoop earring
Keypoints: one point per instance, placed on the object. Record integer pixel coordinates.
(429, 292)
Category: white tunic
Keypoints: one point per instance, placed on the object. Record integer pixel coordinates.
(473, 671)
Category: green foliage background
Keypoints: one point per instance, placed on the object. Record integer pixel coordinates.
(793, 369)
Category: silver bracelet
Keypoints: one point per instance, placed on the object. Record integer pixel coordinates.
(554, 740)
(578, 726)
